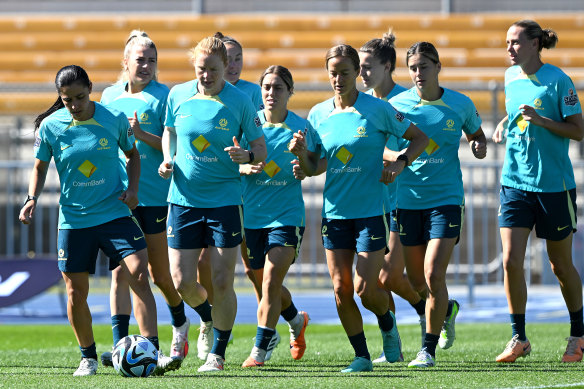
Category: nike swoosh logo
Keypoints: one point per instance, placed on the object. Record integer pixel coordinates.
(452, 225)
(65, 147)
(563, 228)
(402, 233)
(235, 233)
(184, 116)
(160, 220)
(376, 237)
(139, 237)
(289, 245)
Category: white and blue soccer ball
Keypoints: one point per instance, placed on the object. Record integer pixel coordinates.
(134, 356)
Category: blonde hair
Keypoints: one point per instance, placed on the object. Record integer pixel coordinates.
(209, 45)
(141, 39)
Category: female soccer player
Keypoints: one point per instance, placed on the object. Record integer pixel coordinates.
(232, 75)
(430, 196)
(84, 139)
(351, 131)
(142, 98)
(274, 216)
(205, 119)
(538, 187)
(377, 58)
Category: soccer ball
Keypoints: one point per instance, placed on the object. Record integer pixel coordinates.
(134, 356)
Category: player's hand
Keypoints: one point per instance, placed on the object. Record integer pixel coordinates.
(135, 125)
(391, 170)
(479, 149)
(530, 115)
(299, 174)
(165, 169)
(130, 198)
(298, 144)
(236, 153)
(498, 134)
(249, 169)
(27, 211)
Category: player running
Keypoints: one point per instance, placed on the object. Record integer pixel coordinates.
(351, 131)
(377, 58)
(84, 138)
(430, 195)
(274, 217)
(205, 119)
(142, 99)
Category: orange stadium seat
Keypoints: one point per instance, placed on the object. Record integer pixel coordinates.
(471, 47)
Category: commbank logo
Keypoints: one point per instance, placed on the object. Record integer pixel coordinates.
(87, 168)
(201, 143)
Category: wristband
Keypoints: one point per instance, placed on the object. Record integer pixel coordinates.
(403, 157)
(251, 156)
(29, 198)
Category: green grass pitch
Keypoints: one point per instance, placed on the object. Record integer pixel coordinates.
(45, 356)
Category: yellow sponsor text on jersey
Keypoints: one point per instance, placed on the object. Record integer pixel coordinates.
(432, 147)
(87, 168)
(521, 123)
(201, 143)
(344, 155)
(271, 168)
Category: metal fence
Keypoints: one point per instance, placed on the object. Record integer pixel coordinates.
(476, 259)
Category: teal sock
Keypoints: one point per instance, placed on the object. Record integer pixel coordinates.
(177, 315)
(204, 311)
(154, 341)
(88, 352)
(220, 342)
(120, 327)
(263, 337)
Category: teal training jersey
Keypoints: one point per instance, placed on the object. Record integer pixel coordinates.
(435, 178)
(204, 174)
(273, 198)
(150, 105)
(536, 159)
(389, 190)
(88, 163)
(254, 91)
(353, 142)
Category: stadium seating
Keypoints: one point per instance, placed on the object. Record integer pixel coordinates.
(471, 47)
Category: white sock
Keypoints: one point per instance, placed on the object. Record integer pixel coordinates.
(258, 354)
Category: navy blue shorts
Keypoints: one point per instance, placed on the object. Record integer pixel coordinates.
(552, 213)
(152, 219)
(391, 218)
(196, 228)
(78, 248)
(360, 235)
(418, 226)
(260, 241)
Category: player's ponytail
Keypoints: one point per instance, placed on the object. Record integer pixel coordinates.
(547, 38)
(382, 48)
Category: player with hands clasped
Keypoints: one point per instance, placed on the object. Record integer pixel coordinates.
(351, 130)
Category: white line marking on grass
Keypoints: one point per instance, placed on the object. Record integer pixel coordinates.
(547, 386)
